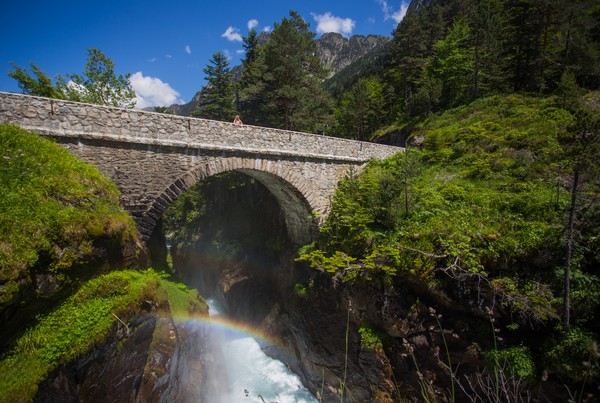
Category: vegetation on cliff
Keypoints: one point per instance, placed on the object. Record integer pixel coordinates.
(84, 321)
(478, 213)
(54, 211)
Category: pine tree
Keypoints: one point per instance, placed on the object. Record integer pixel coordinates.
(217, 101)
(363, 109)
(414, 41)
(285, 87)
(453, 64)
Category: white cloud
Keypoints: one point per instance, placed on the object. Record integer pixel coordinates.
(329, 23)
(151, 91)
(389, 12)
(168, 56)
(267, 29)
(240, 51)
(253, 23)
(153, 59)
(232, 34)
(188, 50)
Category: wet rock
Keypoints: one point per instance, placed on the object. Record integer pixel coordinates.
(154, 359)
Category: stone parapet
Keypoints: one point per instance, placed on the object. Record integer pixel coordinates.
(72, 119)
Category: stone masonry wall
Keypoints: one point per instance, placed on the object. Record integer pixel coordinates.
(65, 118)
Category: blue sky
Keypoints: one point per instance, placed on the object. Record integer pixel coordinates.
(164, 44)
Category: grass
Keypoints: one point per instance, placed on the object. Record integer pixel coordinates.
(84, 321)
(53, 206)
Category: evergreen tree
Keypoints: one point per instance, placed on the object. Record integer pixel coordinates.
(218, 97)
(353, 111)
(250, 46)
(414, 40)
(484, 37)
(363, 109)
(453, 64)
(582, 149)
(577, 41)
(285, 87)
(247, 103)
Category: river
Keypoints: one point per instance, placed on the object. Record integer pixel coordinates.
(247, 374)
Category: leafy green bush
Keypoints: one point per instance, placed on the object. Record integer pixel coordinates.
(480, 196)
(575, 354)
(370, 338)
(515, 361)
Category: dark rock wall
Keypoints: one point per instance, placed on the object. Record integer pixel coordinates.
(154, 359)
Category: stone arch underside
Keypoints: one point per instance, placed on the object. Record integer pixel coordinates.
(296, 197)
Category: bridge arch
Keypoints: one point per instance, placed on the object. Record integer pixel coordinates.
(296, 200)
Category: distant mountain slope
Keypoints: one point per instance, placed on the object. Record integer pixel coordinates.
(370, 63)
(336, 52)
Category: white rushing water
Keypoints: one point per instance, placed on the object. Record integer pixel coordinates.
(248, 374)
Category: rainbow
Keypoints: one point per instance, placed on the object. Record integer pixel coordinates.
(231, 328)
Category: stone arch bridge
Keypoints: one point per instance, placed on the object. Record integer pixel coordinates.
(153, 157)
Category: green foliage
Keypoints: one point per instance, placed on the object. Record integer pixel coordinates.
(370, 338)
(528, 298)
(449, 53)
(574, 353)
(453, 64)
(516, 361)
(40, 86)
(362, 109)
(99, 84)
(481, 197)
(283, 85)
(184, 214)
(84, 321)
(53, 205)
(217, 100)
(301, 290)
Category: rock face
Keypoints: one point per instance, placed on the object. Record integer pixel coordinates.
(337, 52)
(154, 359)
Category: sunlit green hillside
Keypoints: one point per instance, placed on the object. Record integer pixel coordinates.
(52, 210)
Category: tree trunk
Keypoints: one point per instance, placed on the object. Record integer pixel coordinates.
(567, 270)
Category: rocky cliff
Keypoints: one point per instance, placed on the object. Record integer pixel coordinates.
(337, 52)
(153, 358)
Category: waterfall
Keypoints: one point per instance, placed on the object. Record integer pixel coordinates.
(246, 373)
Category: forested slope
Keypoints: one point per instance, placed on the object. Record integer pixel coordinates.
(475, 217)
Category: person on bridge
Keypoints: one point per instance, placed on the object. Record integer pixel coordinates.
(237, 120)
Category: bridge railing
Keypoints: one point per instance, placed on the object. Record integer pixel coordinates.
(72, 119)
